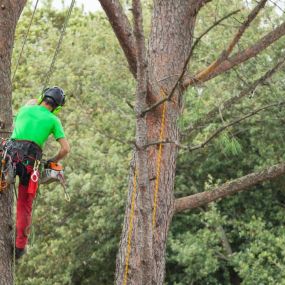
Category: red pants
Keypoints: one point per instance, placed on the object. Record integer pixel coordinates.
(26, 195)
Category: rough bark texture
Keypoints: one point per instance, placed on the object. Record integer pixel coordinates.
(170, 42)
(232, 187)
(9, 15)
(169, 45)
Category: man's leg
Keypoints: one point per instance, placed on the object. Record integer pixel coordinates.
(24, 216)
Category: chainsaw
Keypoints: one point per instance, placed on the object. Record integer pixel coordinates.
(53, 172)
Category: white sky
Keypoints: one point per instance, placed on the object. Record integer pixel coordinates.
(89, 5)
(94, 5)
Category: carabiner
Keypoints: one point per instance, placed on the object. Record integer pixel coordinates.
(35, 177)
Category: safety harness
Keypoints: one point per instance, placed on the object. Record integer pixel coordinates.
(23, 158)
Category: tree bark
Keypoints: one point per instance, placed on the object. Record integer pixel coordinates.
(123, 31)
(169, 45)
(9, 14)
(154, 165)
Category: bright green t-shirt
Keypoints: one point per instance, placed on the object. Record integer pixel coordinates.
(35, 123)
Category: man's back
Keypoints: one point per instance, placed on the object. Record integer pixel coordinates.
(36, 123)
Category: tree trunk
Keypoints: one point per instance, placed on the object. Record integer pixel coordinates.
(9, 15)
(170, 41)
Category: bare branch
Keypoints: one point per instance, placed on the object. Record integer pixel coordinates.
(233, 100)
(224, 55)
(229, 188)
(217, 132)
(123, 31)
(168, 98)
(244, 55)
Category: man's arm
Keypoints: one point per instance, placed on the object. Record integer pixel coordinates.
(64, 150)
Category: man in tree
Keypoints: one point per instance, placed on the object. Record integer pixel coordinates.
(33, 125)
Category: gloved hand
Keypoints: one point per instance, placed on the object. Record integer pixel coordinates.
(48, 162)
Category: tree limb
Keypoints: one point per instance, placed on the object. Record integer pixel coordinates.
(233, 100)
(244, 55)
(229, 188)
(224, 55)
(123, 31)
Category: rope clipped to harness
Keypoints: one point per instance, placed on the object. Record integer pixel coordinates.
(53, 172)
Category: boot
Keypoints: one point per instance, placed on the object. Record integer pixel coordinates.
(19, 252)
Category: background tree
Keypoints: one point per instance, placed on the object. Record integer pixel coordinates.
(9, 14)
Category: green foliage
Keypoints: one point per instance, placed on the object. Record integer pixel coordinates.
(76, 242)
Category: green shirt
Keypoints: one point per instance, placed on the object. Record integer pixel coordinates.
(35, 123)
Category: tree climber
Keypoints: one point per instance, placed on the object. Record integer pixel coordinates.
(32, 127)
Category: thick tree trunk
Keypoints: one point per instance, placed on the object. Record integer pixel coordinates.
(9, 15)
(170, 41)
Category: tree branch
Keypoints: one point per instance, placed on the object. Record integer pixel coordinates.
(217, 132)
(229, 188)
(224, 55)
(233, 100)
(244, 55)
(123, 31)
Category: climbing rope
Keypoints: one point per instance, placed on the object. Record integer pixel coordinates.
(158, 162)
(25, 41)
(47, 78)
(49, 73)
(131, 224)
(50, 70)
(158, 169)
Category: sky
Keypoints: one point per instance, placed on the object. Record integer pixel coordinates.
(89, 5)
(94, 5)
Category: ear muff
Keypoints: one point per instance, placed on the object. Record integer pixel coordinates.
(57, 110)
(41, 98)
